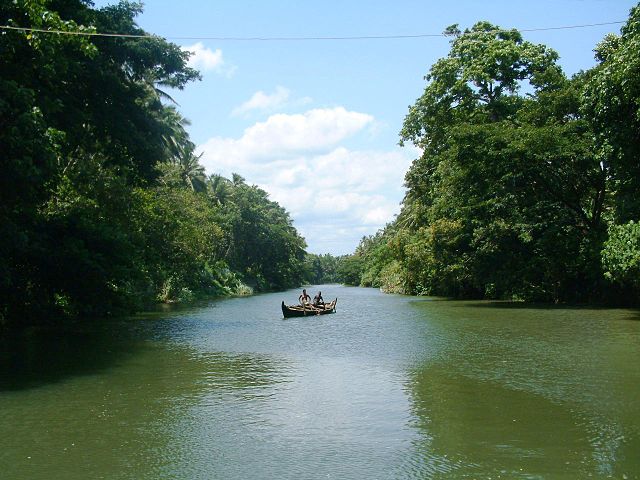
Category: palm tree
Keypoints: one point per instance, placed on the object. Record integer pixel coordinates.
(174, 133)
(219, 188)
(237, 179)
(191, 172)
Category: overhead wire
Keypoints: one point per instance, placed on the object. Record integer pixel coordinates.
(285, 38)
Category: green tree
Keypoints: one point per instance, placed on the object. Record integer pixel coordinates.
(478, 84)
(182, 242)
(185, 171)
(621, 258)
(321, 268)
(104, 205)
(350, 270)
(219, 189)
(72, 107)
(265, 247)
(507, 198)
(611, 102)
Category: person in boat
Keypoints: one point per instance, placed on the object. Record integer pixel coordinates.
(304, 298)
(318, 301)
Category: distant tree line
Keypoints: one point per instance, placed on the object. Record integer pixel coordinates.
(104, 207)
(327, 268)
(528, 182)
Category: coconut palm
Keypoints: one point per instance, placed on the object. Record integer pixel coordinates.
(219, 188)
(191, 172)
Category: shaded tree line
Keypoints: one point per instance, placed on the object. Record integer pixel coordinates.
(321, 269)
(327, 268)
(104, 207)
(527, 185)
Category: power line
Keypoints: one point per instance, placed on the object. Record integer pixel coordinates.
(287, 39)
(568, 27)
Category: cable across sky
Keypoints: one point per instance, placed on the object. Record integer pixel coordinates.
(285, 38)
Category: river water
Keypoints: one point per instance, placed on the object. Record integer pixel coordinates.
(389, 387)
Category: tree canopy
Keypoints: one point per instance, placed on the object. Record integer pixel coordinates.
(522, 177)
(104, 207)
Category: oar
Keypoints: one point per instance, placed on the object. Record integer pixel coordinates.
(314, 309)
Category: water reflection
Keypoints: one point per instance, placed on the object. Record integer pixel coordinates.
(389, 387)
(244, 373)
(40, 357)
(528, 393)
(477, 428)
(89, 405)
(329, 418)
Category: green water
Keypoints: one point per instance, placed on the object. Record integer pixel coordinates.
(390, 387)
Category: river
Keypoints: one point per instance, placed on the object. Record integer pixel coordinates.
(389, 387)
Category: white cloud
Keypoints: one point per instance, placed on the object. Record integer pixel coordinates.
(334, 194)
(263, 101)
(282, 136)
(205, 59)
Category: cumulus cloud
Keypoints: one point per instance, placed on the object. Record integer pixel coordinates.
(363, 187)
(264, 102)
(282, 136)
(206, 60)
(335, 194)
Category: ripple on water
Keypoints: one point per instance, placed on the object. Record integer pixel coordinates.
(388, 387)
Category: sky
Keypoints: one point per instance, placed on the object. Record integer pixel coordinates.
(315, 122)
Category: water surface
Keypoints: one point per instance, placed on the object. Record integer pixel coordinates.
(388, 387)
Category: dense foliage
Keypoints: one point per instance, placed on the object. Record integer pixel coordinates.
(103, 205)
(528, 182)
(322, 269)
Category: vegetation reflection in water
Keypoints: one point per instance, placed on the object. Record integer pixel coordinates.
(389, 387)
(530, 393)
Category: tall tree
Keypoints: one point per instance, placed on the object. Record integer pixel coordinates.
(612, 103)
(265, 246)
(72, 105)
(506, 199)
(477, 83)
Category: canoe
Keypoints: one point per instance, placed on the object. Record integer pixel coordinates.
(307, 311)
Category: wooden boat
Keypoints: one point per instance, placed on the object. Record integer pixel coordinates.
(308, 310)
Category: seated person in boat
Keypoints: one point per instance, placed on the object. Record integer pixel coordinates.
(304, 298)
(318, 301)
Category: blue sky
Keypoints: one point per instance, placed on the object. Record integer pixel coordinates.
(315, 123)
